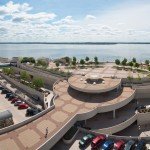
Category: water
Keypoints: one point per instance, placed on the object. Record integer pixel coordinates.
(103, 52)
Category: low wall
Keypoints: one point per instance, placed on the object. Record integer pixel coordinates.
(23, 87)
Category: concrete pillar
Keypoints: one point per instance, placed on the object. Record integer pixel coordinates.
(114, 114)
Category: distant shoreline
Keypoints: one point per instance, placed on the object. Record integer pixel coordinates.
(77, 43)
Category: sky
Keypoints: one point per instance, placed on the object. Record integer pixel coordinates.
(75, 21)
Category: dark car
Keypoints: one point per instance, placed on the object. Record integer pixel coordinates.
(14, 100)
(1, 88)
(119, 145)
(129, 145)
(32, 111)
(11, 97)
(108, 145)
(138, 108)
(98, 141)
(5, 91)
(86, 140)
(141, 145)
(8, 95)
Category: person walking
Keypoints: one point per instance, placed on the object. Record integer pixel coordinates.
(46, 133)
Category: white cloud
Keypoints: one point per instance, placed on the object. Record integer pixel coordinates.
(90, 17)
(123, 23)
(66, 20)
(11, 8)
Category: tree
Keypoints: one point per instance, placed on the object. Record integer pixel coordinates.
(8, 71)
(74, 63)
(117, 61)
(96, 60)
(74, 59)
(24, 75)
(67, 59)
(87, 58)
(57, 64)
(136, 65)
(38, 83)
(134, 59)
(41, 62)
(31, 60)
(82, 62)
(130, 64)
(147, 62)
(124, 62)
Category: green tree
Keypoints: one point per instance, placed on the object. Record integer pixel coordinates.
(24, 76)
(31, 60)
(147, 62)
(38, 83)
(74, 63)
(82, 62)
(130, 64)
(42, 63)
(134, 59)
(87, 58)
(96, 60)
(136, 65)
(124, 62)
(74, 59)
(67, 59)
(57, 64)
(117, 61)
(8, 71)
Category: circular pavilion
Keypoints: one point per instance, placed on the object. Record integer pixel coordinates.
(93, 83)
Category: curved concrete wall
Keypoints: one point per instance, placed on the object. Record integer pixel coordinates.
(119, 127)
(93, 90)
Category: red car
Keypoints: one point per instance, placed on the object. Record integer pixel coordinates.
(23, 106)
(14, 100)
(97, 141)
(119, 145)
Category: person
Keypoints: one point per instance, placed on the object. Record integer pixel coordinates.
(46, 132)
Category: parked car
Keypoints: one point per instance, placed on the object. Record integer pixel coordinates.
(32, 111)
(11, 97)
(129, 145)
(17, 103)
(85, 140)
(141, 145)
(138, 108)
(98, 141)
(108, 145)
(8, 95)
(1, 88)
(5, 91)
(119, 145)
(14, 100)
(23, 106)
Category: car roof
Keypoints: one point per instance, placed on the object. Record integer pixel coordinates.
(97, 138)
(119, 143)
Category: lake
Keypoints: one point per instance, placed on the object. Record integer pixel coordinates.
(103, 52)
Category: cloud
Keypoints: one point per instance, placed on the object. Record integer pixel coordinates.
(64, 21)
(11, 8)
(125, 22)
(38, 17)
(90, 17)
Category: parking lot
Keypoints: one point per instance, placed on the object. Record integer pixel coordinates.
(18, 115)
